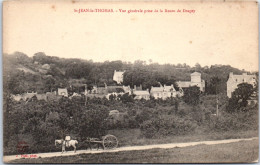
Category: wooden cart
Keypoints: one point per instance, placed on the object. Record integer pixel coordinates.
(108, 141)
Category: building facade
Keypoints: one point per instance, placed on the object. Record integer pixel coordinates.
(234, 80)
(118, 76)
(141, 95)
(195, 81)
(63, 92)
(163, 92)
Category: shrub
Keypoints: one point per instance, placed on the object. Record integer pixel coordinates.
(243, 120)
(167, 125)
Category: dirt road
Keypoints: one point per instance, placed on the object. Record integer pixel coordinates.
(130, 148)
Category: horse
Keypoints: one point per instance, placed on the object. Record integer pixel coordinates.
(58, 141)
(67, 144)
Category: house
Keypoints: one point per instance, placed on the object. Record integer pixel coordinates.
(118, 76)
(163, 92)
(109, 90)
(51, 93)
(74, 95)
(98, 90)
(63, 92)
(141, 95)
(138, 88)
(26, 96)
(234, 80)
(17, 97)
(41, 97)
(115, 91)
(127, 89)
(195, 81)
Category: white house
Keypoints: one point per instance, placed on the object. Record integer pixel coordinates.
(163, 92)
(195, 81)
(118, 76)
(234, 80)
(127, 89)
(63, 92)
(141, 95)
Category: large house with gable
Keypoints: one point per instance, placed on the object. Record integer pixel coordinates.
(118, 76)
(140, 93)
(163, 92)
(109, 90)
(195, 81)
(234, 80)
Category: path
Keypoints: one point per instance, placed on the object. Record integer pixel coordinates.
(130, 148)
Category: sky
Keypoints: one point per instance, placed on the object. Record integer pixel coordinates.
(215, 33)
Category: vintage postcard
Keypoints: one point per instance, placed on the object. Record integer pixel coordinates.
(130, 82)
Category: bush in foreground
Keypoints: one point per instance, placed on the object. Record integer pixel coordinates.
(167, 125)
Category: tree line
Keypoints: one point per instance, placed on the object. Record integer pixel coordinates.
(23, 73)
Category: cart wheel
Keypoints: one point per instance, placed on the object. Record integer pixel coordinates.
(110, 142)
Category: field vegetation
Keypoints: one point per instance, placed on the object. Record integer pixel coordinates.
(39, 123)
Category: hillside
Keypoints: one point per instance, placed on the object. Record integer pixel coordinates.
(44, 73)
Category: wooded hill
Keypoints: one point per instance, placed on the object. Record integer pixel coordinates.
(43, 73)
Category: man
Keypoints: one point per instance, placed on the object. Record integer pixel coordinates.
(67, 139)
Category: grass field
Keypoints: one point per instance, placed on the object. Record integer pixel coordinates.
(131, 137)
(238, 152)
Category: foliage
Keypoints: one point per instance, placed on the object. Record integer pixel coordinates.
(243, 120)
(46, 121)
(40, 122)
(192, 95)
(126, 98)
(166, 125)
(214, 85)
(138, 73)
(240, 97)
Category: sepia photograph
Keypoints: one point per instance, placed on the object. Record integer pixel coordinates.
(148, 81)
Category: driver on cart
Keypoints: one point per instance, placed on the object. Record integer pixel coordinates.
(67, 139)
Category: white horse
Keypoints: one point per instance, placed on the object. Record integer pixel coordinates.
(67, 144)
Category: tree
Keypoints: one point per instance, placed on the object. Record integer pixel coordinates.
(214, 85)
(192, 95)
(41, 58)
(197, 66)
(239, 97)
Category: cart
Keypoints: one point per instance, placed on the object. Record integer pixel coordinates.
(108, 141)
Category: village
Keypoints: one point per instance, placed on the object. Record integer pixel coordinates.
(162, 92)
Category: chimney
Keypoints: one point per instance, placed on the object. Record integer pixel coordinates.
(141, 87)
(134, 87)
(230, 74)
